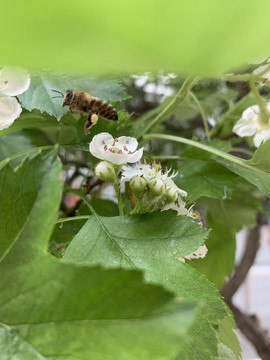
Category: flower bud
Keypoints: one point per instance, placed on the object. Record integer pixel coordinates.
(156, 187)
(170, 195)
(137, 185)
(105, 171)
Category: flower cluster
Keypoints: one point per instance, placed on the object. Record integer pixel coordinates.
(13, 82)
(153, 188)
(156, 188)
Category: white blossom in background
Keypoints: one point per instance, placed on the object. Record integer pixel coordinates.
(13, 82)
(249, 124)
(117, 151)
(149, 172)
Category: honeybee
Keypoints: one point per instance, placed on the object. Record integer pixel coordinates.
(88, 105)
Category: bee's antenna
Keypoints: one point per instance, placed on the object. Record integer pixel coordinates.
(56, 97)
(59, 92)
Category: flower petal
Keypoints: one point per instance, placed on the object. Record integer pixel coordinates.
(10, 110)
(136, 156)
(244, 128)
(261, 136)
(251, 113)
(14, 81)
(130, 142)
(97, 144)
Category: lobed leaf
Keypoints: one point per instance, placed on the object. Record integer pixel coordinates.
(141, 242)
(54, 310)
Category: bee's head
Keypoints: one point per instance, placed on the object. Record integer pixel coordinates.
(68, 97)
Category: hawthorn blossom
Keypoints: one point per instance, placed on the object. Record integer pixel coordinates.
(13, 82)
(250, 124)
(117, 151)
(152, 171)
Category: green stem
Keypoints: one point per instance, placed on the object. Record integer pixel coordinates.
(264, 114)
(3, 162)
(207, 148)
(244, 77)
(119, 197)
(205, 123)
(82, 217)
(185, 88)
(137, 208)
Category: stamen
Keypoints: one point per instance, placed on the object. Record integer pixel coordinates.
(116, 139)
(127, 142)
(125, 148)
(106, 147)
(120, 152)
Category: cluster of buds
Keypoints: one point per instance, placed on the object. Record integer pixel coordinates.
(152, 188)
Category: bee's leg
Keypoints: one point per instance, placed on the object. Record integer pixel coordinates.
(91, 121)
(70, 109)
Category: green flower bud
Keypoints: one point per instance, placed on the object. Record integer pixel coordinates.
(156, 187)
(105, 171)
(170, 195)
(138, 185)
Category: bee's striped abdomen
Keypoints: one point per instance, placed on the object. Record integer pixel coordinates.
(106, 110)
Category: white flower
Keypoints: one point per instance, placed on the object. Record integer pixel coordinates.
(250, 124)
(117, 151)
(149, 172)
(13, 82)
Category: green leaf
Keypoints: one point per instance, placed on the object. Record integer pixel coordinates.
(124, 237)
(39, 95)
(220, 259)
(192, 152)
(91, 312)
(226, 218)
(140, 242)
(31, 121)
(97, 36)
(255, 170)
(229, 343)
(14, 144)
(205, 178)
